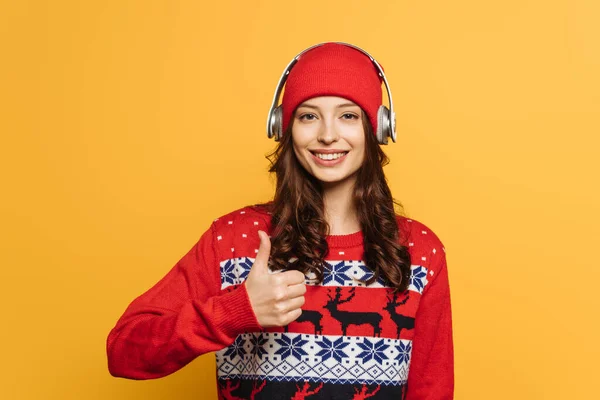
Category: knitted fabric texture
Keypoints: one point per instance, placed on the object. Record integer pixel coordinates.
(333, 70)
(352, 341)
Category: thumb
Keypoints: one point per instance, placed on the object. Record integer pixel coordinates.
(262, 257)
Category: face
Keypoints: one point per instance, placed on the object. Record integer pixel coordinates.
(329, 138)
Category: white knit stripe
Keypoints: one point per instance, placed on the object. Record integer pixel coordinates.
(317, 358)
(234, 271)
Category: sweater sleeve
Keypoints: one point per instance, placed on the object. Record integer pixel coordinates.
(184, 315)
(431, 374)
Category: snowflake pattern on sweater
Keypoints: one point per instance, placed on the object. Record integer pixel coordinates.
(352, 340)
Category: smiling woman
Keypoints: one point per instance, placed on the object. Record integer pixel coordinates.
(324, 291)
(328, 132)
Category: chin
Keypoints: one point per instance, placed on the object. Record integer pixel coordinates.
(333, 178)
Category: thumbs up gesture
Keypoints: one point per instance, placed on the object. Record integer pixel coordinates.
(275, 298)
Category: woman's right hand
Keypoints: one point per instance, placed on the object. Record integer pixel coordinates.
(275, 298)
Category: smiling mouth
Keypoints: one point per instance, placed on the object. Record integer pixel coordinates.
(329, 156)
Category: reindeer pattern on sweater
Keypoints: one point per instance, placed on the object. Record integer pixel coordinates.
(352, 341)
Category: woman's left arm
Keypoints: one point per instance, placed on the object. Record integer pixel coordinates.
(431, 374)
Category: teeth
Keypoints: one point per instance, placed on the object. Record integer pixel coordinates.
(334, 156)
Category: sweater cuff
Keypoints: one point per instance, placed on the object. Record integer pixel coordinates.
(234, 314)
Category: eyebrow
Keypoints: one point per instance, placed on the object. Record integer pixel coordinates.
(338, 106)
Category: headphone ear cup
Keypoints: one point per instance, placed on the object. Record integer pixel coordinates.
(276, 123)
(383, 124)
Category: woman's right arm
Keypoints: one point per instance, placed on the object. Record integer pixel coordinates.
(184, 315)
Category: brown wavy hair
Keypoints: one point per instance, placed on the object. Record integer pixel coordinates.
(299, 226)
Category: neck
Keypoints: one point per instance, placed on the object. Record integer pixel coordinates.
(340, 212)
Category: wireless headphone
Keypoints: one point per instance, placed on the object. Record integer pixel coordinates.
(386, 118)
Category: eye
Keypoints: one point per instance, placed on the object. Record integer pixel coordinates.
(352, 116)
(304, 117)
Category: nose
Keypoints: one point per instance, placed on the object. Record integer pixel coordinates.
(328, 132)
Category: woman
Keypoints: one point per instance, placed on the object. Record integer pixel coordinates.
(324, 292)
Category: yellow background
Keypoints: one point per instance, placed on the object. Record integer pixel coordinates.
(127, 126)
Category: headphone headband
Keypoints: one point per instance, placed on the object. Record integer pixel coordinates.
(274, 118)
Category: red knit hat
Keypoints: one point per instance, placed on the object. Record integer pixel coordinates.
(333, 69)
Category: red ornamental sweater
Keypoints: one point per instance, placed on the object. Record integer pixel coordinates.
(352, 341)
